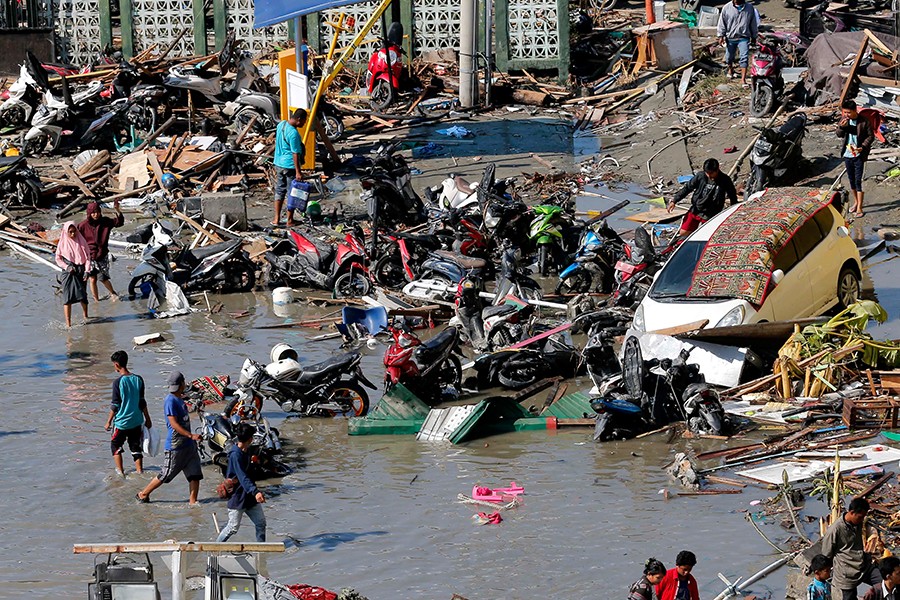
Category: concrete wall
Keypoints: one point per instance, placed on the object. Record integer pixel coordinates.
(13, 45)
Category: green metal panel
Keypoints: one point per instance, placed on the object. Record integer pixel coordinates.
(562, 24)
(220, 23)
(467, 428)
(370, 426)
(570, 406)
(501, 34)
(406, 19)
(200, 46)
(491, 416)
(531, 424)
(314, 32)
(127, 23)
(105, 24)
(399, 403)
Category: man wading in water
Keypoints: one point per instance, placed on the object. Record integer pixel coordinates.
(128, 412)
(181, 444)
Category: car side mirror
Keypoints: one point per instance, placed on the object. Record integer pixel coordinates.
(842, 231)
(777, 276)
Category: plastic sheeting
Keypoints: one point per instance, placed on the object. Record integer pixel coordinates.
(272, 12)
(825, 57)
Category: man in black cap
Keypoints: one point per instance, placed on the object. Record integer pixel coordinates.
(181, 445)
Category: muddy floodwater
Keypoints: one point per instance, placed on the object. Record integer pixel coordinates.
(379, 514)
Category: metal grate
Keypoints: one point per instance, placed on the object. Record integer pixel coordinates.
(359, 12)
(533, 30)
(160, 22)
(76, 27)
(437, 25)
(239, 17)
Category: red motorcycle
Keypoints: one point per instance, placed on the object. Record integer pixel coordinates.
(302, 261)
(427, 369)
(634, 272)
(766, 81)
(385, 70)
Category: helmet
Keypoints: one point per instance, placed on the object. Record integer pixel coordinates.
(169, 181)
(314, 209)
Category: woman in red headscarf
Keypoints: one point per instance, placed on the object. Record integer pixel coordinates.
(96, 229)
(74, 256)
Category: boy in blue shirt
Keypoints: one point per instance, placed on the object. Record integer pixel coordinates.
(820, 588)
(288, 157)
(128, 412)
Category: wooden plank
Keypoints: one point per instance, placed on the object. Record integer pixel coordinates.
(215, 237)
(682, 328)
(153, 160)
(853, 68)
(658, 215)
(232, 547)
(74, 178)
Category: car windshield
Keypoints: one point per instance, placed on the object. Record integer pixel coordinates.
(675, 278)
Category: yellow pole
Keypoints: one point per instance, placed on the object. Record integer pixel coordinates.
(333, 70)
(338, 29)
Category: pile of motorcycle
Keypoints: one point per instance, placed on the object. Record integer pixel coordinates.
(638, 396)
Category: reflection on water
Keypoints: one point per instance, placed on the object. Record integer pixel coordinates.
(376, 513)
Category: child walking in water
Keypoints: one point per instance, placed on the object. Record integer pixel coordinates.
(642, 589)
(74, 257)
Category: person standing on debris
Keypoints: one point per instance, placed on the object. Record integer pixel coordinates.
(642, 589)
(74, 256)
(678, 583)
(96, 229)
(843, 543)
(246, 498)
(181, 445)
(289, 153)
(128, 412)
(710, 187)
(736, 30)
(819, 588)
(889, 567)
(857, 138)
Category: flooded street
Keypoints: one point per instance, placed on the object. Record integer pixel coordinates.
(376, 513)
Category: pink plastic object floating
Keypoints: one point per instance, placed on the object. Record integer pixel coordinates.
(497, 494)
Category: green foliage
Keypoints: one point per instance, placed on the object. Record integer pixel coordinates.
(847, 329)
(823, 488)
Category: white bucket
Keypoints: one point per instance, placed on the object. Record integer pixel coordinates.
(708, 16)
(282, 295)
(659, 11)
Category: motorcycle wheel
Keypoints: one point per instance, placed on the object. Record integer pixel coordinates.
(350, 395)
(135, 284)
(28, 192)
(389, 272)
(756, 182)
(333, 126)
(519, 374)
(351, 285)
(500, 338)
(220, 459)
(449, 373)
(240, 276)
(34, 146)
(242, 119)
(578, 282)
(712, 419)
(543, 261)
(14, 116)
(762, 99)
(382, 95)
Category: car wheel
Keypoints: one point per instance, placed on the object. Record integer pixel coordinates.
(847, 288)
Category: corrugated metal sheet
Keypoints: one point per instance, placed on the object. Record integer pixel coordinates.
(441, 423)
(367, 426)
(399, 403)
(570, 406)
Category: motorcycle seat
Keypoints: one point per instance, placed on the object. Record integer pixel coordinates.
(501, 309)
(436, 345)
(9, 161)
(204, 251)
(424, 239)
(463, 185)
(335, 363)
(792, 125)
(466, 262)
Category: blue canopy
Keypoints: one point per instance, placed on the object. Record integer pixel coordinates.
(272, 12)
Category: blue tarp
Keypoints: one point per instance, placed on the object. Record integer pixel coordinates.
(272, 12)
